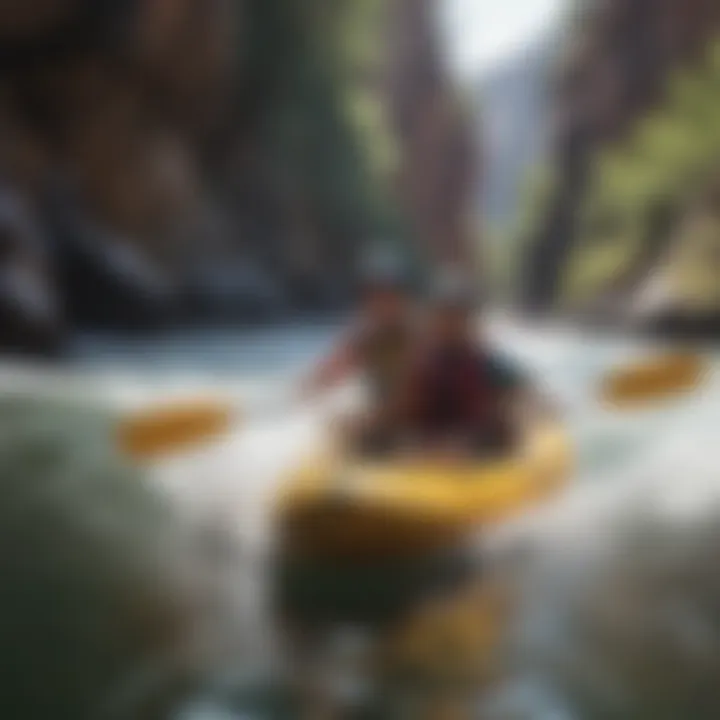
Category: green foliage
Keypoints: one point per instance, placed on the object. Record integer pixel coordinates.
(509, 247)
(665, 162)
(693, 275)
(322, 124)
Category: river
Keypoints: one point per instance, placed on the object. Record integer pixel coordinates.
(661, 457)
(259, 364)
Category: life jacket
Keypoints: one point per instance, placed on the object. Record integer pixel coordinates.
(385, 354)
(455, 393)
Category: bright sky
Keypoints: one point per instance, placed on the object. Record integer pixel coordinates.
(482, 33)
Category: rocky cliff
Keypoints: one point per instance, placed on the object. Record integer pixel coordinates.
(211, 159)
(618, 64)
(106, 110)
(435, 178)
(515, 125)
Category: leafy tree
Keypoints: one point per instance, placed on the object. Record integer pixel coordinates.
(667, 161)
(322, 125)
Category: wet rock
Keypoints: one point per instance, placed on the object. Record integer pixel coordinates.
(679, 324)
(681, 297)
(102, 604)
(28, 321)
(31, 320)
(235, 291)
(110, 285)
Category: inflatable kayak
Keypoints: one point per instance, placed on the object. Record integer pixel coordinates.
(368, 510)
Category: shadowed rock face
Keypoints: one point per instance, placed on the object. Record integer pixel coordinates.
(112, 103)
(435, 181)
(131, 130)
(619, 56)
(30, 321)
(19, 19)
(198, 136)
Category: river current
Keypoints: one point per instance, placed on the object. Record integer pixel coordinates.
(663, 460)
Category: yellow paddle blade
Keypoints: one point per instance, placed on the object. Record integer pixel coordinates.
(654, 379)
(164, 430)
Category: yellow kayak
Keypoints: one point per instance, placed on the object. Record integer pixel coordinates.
(365, 509)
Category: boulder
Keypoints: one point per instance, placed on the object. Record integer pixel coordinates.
(31, 319)
(234, 291)
(110, 285)
(682, 295)
(104, 605)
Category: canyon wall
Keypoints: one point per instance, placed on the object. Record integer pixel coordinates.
(436, 177)
(619, 58)
(171, 160)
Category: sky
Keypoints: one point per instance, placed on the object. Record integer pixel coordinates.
(482, 33)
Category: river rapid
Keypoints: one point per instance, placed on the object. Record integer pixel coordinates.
(655, 471)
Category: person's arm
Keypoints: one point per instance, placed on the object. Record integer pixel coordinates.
(337, 366)
(526, 404)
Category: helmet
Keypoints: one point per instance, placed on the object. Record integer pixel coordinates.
(384, 272)
(453, 291)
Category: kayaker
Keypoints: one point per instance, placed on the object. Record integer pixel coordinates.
(461, 395)
(378, 346)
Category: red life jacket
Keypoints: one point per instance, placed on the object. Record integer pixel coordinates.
(455, 393)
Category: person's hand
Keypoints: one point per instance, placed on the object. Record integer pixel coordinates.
(411, 452)
(451, 451)
(306, 391)
(527, 409)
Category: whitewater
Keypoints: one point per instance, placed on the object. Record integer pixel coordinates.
(646, 494)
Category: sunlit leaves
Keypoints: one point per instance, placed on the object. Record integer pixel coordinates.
(668, 158)
(322, 126)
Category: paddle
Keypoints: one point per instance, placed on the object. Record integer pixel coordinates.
(176, 425)
(652, 380)
(166, 429)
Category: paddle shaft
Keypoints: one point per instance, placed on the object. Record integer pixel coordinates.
(170, 428)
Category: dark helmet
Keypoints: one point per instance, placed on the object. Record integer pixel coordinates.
(384, 273)
(453, 291)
